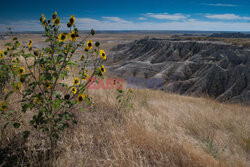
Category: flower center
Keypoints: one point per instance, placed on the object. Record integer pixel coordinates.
(57, 21)
(63, 37)
(73, 35)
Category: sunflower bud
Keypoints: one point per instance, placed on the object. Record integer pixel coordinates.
(22, 79)
(36, 53)
(66, 97)
(69, 25)
(92, 32)
(97, 44)
(54, 15)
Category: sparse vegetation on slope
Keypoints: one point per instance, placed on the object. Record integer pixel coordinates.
(162, 130)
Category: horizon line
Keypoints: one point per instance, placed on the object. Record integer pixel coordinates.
(35, 31)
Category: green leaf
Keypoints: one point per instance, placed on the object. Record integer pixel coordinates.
(75, 122)
(63, 85)
(5, 125)
(120, 90)
(26, 134)
(47, 49)
(9, 93)
(7, 44)
(117, 97)
(55, 135)
(83, 110)
(16, 125)
(27, 55)
(56, 103)
(25, 107)
(88, 100)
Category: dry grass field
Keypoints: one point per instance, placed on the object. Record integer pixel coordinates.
(162, 129)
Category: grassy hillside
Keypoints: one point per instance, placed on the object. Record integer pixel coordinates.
(162, 130)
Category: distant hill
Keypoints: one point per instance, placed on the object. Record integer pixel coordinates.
(230, 35)
(198, 68)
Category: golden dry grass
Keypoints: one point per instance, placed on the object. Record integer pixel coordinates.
(162, 130)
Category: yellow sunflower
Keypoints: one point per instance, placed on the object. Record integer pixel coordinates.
(62, 37)
(14, 67)
(18, 87)
(76, 81)
(89, 44)
(85, 76)
(3, 106)
(57, 21)
(29, 43)
(73, 36)
(43, 20)
(14, 38)
(72, 20)
(19, 44)
(129, 90)
(8, 49)
(80, 98)
(54, 15)
(21, 71)
(74, 90)
(82, 57)
(5, 90)
(44, 23)
(67, 68)
(35, 99)
(102, 69)
(14, 61)
(103, 55)
(1, 54)
(47, 85)
(42, 66)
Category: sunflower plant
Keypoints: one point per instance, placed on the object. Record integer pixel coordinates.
(39, 76)
(4, 71)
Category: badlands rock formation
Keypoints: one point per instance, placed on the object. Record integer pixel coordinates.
(197, 68)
